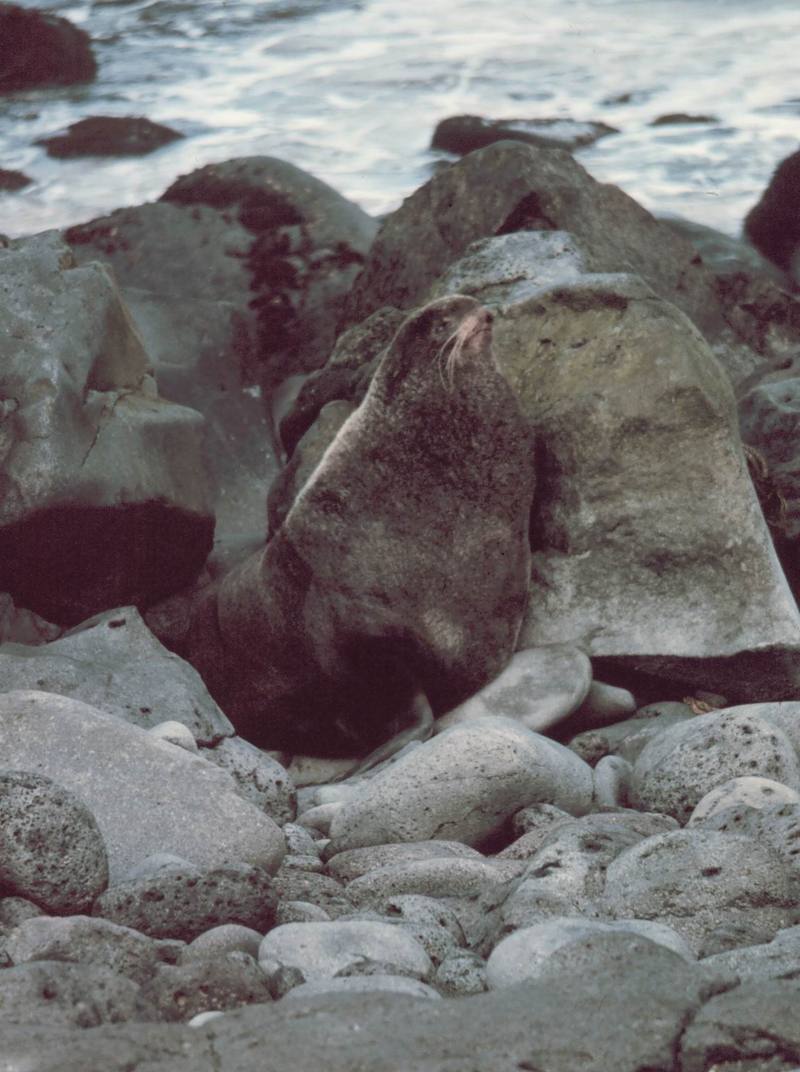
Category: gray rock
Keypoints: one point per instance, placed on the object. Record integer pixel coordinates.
(694, 879)
(471, 889)
(226, 981)
(259, 778)
(299, 840)
(434, 925)
(303, 912)
(97, 462)
(626, 739)
(677, 768)
(538, 817)
(226, 938)
(612, 779)
(539, 687)
(324, 950)
(353, 863)
(91, 941)
(320, 890)
(461, 973)
(785, 716)
(79, 995)
(512, 187)
(181, 803)
(567, 871)
(754, 1026)
(438, 790)
(617, 569)
(319, 818)
(184, 905)
(14, 911)
(777, 825)
(746, 792)
(202, 345)
(605, 704)
(52, 851)
(174, 733)
(533, 1024)
(776, 959)
(523, 955)
(114, 662)
(364, 984)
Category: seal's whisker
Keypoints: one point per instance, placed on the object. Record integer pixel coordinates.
(455, 345)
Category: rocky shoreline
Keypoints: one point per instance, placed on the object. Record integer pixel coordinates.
(236, 425)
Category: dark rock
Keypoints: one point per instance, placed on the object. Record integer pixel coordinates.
(12, 180)
(79, 995)
(106, 135)
(183, 904)
(674, 118)
(307, 245)
(51, 849)
(39, 49)
(21, 626)
(464, 133)
(229, 980)
(94, 461)
(512, 187)
(773, 225)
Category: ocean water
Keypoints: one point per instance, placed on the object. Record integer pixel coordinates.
(352, 89)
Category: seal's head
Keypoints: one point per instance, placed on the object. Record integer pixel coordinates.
(436, 341)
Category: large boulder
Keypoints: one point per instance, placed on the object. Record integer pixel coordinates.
(401, 568)
(147, 797)
(114, 662)
(773, 225)
(40, 49)
(104, 498)
(514, 187)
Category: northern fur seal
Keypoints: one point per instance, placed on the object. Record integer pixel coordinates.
(398, 580)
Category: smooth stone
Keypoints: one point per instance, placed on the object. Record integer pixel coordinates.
(160, 863)
(184, 905)
(694, 879)
(226, 938)
(176, 733)
(181, 803)
(461, 973)
(777, 825)
(52, 850)
(300, 912)
(321, 890)
(434, 925)
(677, 768)
(78, 995)
(321, 816)
(91, 941)
(226, 981)
(605, 704)
(522, 955)
(360, 984)
(323, 950)
(746, 791)
(776, 959)
(260, 779)
(626, 739)
(114, 663)
(612, 779)
(354, 863)
(538, 817)
(299, 840)
(785, 715)
(319, 770)
(439, 790)
(539, 687)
